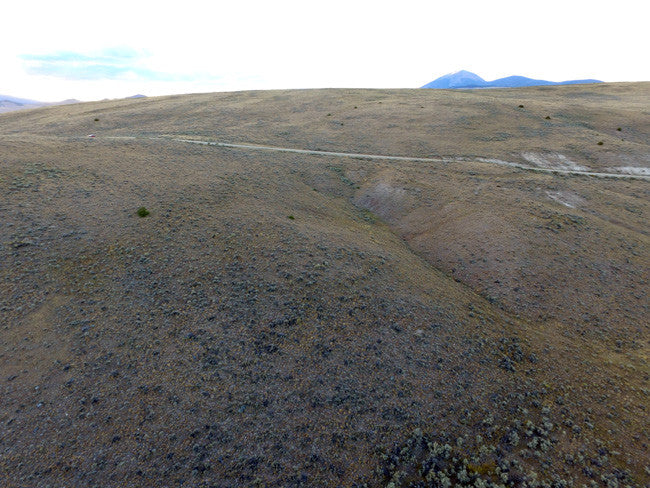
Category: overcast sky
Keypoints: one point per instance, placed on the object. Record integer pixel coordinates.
(90, 50)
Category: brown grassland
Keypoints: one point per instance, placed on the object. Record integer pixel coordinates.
(288, 319)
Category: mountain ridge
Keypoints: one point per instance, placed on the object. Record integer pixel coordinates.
(467, 79)
(9, 103)
(19, 101)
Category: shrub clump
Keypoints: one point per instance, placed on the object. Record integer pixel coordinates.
(143, 212)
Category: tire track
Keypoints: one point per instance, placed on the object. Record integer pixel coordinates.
(460, 159)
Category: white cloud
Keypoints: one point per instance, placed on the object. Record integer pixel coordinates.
(211, 46)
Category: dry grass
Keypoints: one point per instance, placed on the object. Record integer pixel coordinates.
(220, 342)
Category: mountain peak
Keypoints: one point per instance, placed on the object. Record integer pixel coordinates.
(463, 72)
(458, 79)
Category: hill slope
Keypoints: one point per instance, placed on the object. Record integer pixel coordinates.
(297, 319)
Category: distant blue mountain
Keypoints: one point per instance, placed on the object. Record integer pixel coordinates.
(460, 79)
(516, 81)
(9, 104)
(18, 101)
(466, 79)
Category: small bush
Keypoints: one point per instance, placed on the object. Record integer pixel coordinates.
(96, 119)
(143, 212)
(619, 129)
(291, 217)
(521, 106)
(600, 143)
(548, 117)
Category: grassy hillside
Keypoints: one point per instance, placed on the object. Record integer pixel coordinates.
(286, 319)
(486, 123)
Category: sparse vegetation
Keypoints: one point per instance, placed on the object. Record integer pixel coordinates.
(424, 323)
(142, 212)
(494, 458)
(341, 174)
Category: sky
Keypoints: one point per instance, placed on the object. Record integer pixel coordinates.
(52, 51)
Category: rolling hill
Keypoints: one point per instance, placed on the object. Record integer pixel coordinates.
(356, 288)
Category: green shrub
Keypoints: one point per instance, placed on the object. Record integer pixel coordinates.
(143, 212)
